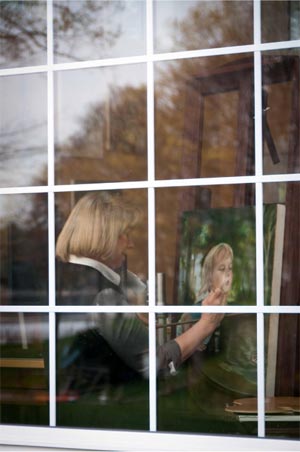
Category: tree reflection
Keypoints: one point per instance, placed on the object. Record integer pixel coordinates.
(192, 24)
(88, 23)
(23, 29)
(110, 143)
(23, 128)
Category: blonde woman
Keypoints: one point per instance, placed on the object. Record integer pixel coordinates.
(91, 249)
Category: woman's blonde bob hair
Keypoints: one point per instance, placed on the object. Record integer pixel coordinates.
(222, 250)
(94, 226)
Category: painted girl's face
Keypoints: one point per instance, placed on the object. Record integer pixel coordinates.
(222, 273)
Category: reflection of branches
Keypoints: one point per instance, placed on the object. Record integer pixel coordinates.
(87, 21)
(12, 153)
(20, 141)
(21, 130)
(214, 24)
(23, 27)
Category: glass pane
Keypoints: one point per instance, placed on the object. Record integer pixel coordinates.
(282, 376)
(100, 372)
(76, 286)
(282, 243)
(204, 117)
(280, 20)
(191, 25)
(23, 39)
(24, 249)
(101, 129)
(190, 223)
(203, 396)
(93, 29)
(102, 358)
(281, 111)
(23, 368)
(23, 129)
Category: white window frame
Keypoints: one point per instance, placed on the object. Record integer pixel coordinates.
(152, 440)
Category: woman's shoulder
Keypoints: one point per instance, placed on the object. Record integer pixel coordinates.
(78, 284)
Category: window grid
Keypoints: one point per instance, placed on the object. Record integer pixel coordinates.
(258, 137)
(150, 185)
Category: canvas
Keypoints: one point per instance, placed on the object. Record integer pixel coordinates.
(203, 229)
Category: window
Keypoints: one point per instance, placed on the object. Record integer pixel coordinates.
(190, 110)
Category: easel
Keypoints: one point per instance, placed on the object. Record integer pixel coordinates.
(239, 76)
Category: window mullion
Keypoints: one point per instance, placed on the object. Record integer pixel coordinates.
(51, 221)
(259, 218)
(151, 218)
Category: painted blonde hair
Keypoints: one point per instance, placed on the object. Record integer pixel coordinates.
(94, 226)
(221, 250)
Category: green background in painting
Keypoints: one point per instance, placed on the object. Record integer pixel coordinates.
(203, 229)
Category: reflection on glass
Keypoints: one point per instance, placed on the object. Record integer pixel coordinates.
(102, 358)
(98, 385)
(101, 127)
(280, 20)
(190, 228)
(24, 249)
(282, 404)
(204, 116)
(190, 24)
(23, 368)
(281, 111)
(23, 33)
(201, 397)
(282, 243)
(92, 29)
(23, 130)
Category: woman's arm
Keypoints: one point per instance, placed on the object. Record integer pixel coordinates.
(190, 340)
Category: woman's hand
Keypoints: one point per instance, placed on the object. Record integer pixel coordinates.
(191, 339)
(212, 320)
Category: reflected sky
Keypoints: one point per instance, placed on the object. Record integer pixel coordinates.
(100, 124)
(86, 30)
(191, 24)
(76, 92)
(23, 129)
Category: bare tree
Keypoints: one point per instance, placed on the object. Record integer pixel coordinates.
(23, 27)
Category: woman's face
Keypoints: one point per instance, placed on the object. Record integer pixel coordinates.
(222, 273)
(123, 244)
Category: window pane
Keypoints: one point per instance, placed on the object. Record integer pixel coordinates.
(282, 243)
(24, 249)
(23, 370)
(201, 397)
(281, 111)
(77, 288)
(87, 30)
(282, 376)
(98, 387)
(23, 33)
(204, 117)
(23, 129)
(101, 132)
(190, 25)
(280, 20)
(191, 221)
(102, 358)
